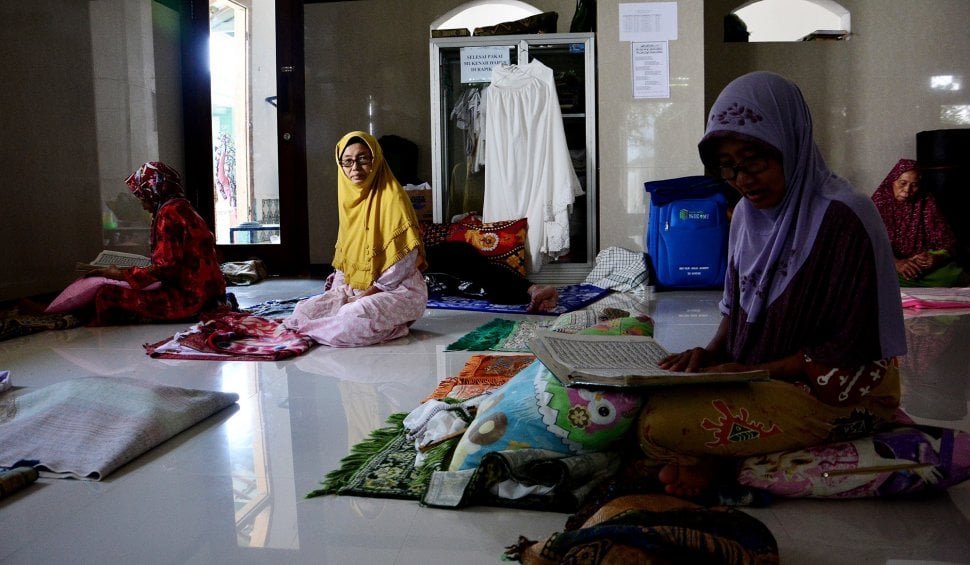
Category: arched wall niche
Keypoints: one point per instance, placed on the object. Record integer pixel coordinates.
(760, 21)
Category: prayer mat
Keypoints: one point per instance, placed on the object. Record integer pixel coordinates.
(933, 298)
(15, 324)
(499, 335)
(233, 336)
(383, 465)
(481, 374)
(571, 297)
(275, 309)
(86, 428)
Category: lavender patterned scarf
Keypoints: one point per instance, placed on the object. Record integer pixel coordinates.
(769, 246)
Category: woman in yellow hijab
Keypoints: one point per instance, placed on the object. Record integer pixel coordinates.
(377, 289)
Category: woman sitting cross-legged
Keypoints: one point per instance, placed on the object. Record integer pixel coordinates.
(922, 241)
(810, 295)
(377, 289)
(184, 278)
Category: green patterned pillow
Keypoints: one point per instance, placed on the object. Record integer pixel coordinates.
(630, 325)
(572, 322)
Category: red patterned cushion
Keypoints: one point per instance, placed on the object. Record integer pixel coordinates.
(503, 243)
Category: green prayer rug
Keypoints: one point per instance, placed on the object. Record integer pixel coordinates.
(499, 335)
(383, 466)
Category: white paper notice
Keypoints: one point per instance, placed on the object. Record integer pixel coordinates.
(477, 62)
(648, 21)
(651, 70)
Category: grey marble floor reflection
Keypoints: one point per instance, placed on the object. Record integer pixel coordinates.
(230, 490)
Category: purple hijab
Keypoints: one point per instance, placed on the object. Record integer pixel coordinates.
(768, 247)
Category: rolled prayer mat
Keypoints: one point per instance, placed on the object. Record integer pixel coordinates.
(16, 479)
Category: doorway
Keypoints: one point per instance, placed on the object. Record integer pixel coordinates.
(244, 128)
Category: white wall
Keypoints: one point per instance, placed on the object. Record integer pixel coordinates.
(869, 95)
(645, 139)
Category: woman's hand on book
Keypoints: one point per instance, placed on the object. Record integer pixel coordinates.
(691, 361)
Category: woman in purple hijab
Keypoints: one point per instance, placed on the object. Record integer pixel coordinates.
(810, 294)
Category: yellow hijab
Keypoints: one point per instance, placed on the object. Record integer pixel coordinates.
(378, 225)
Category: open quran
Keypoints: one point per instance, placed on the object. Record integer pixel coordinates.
(117, 258)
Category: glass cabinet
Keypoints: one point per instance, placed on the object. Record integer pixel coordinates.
(460, 70)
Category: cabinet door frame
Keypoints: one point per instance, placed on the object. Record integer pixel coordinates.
(560, 273)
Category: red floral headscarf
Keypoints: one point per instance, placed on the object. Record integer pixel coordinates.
(155, 183)
(915, 225)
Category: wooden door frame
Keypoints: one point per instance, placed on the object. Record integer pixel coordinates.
(292, 257)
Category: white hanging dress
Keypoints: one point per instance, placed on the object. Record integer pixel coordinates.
(528, 171)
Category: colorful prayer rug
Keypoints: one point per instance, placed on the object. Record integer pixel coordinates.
(571, 297)
(233, 336)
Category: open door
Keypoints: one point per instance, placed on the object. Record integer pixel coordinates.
(244, 124)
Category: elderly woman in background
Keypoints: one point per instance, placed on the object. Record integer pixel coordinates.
(810, 295)
(184, 277)
(377, 289)
(923, 243)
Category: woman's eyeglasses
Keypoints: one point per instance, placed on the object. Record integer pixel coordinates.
(749, 166)
(360, 161)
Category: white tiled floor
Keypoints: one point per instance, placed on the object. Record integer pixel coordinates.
(230, 490)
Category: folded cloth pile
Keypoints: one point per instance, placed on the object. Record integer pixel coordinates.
(242, 273)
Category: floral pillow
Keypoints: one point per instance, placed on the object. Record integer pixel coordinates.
(899, 461)
(503, 243)
(535, 411)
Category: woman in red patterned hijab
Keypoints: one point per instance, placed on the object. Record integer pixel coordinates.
(922, 241)
(184, 277)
